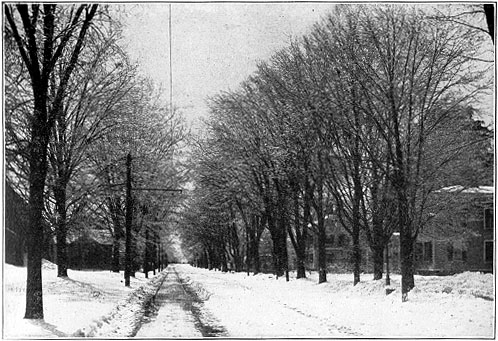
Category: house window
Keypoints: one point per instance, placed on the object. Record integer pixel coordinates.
(428, 252)
(488, 218)
(330, 257)
(464, 255)
(423, 251)
(450, 251)
(488, 251)
(419, 251)
(342, 240)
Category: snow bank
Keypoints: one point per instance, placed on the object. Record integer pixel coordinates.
(96, 303)
(124, 320)
(262, 306)
(79, 303)
(466, 284)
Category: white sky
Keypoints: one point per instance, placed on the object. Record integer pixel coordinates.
(215, 46)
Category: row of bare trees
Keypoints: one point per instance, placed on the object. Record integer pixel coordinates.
(363, 119)
(75, 107)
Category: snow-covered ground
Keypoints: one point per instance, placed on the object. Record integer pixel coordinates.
(98, 304)
(254, 306)
(76, 306)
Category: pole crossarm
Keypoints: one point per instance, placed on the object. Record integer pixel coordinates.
(116, 185)
(149, 189)
(129, 216)
(157, 189)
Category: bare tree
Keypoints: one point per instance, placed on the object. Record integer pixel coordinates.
(412, 74)
(44, 40)
(97, 93)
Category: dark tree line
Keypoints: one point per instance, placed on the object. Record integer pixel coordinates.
(362, 119)
(71, 94)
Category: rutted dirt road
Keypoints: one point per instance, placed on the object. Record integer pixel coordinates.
(178, 311)
(181, 309)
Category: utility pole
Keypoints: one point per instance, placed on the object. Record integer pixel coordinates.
(146, 255)
(388, 279)
(129, 216)
(158, 255)
(128, 221)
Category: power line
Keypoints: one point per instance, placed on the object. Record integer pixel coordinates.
(170, 65)
(156, 189)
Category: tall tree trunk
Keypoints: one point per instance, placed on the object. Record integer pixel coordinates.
(223, 258)
(280, 244)
(407, 265)
(378, 260)
(248, 252)
(279, 252)
(299, 236)
(115, 253)
(235, 243)
(401, 186)
(406, 234)
(255, 232)
(406, 237)
(283, 225)
(34, 299)
(357, 195)
(322, 255)
(301, 268)
(113, 207)
(356, 230)
(489, 10)
(255, 255)
(146, 259)
(308, 198)
(209, 259)
(153, 252)
(356, 256)
(40, 70)
(61, 232)
(38, 166)
(377, 241)
(278, 235)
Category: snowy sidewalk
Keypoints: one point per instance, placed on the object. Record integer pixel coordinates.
(71, 305)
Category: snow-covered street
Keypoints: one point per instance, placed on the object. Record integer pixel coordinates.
(177, 311)
(193, 302)
(245, 169)
(258, 306)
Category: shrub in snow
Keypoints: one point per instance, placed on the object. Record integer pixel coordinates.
(447, 290)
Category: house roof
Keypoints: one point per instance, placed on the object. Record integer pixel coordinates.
(471, 190)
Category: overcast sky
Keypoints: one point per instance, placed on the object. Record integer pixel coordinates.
(214, 46)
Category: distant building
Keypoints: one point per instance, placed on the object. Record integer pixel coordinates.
(461, 238)
(16, 212)
(90, 249)
(16, 222)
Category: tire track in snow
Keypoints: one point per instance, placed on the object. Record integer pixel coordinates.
(178, 310)
(332, 328)
(205, 321)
